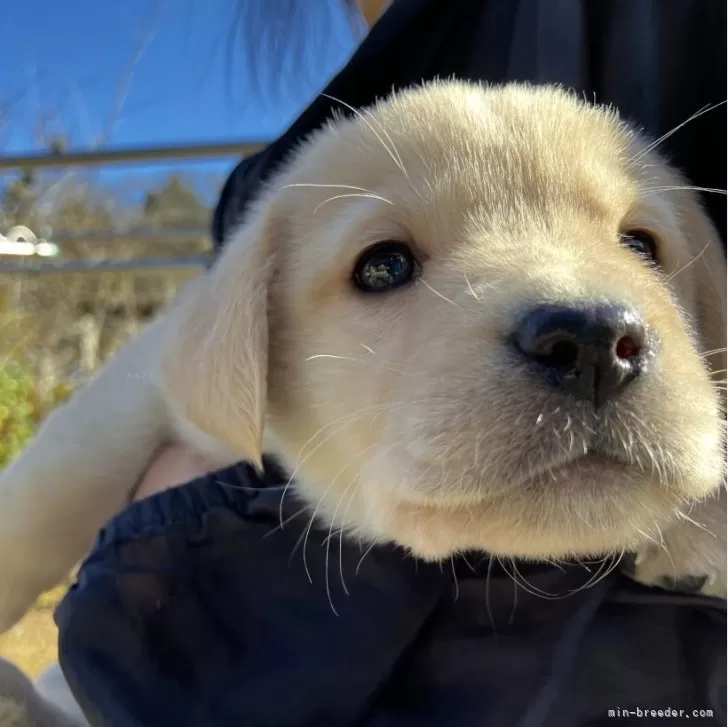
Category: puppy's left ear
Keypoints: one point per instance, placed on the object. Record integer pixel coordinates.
(214, 364)
(709, 265)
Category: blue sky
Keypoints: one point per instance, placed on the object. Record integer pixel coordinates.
(68, 59)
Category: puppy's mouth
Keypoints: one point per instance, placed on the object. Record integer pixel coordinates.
(587, 504)
(594, 474)
(595, 468)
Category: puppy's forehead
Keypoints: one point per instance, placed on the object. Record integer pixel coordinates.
(474, 147)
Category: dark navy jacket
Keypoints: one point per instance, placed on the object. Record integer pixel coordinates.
(196, 607)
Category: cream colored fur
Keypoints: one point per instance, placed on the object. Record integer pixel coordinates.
(401, 414)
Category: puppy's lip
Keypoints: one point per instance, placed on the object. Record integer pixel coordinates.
(589, 468)
(580, 472)
(592, 472)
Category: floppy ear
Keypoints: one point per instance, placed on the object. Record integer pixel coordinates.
(710, 266)
(214, 366)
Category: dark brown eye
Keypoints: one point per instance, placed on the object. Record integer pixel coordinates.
(385, 266)
(643, 243)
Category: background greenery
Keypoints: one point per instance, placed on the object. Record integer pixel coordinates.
(21, 407)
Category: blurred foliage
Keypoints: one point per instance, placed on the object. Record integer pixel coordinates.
(56, 329)
(174, 204)
(22, 408)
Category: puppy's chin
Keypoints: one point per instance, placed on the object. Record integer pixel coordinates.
(588, 507)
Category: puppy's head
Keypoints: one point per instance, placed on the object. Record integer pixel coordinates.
(471, 318)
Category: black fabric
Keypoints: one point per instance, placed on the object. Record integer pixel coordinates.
(658, 61)
(196, 609)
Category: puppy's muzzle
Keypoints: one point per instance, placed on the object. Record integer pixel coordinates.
(590, 352)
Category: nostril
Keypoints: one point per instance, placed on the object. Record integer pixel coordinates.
(592, 352)
(627, 348)
(563, 354)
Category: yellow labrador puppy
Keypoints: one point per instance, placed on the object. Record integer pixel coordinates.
(468, 318)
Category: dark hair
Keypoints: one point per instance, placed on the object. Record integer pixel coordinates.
(291, 47)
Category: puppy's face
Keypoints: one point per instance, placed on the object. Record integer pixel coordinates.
(485, 318)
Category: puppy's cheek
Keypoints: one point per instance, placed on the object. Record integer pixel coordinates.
(683, 412)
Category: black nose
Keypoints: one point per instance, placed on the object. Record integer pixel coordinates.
(590, 352)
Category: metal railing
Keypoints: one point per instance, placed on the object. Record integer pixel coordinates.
(132, 155)
(136, 265)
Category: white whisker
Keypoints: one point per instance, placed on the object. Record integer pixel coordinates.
(652, 146)
(713, 351)
(352, 194)
(488, 609)
(455, 578)
(389, 139)
(371, 128)
(682, 269)
(679, 188)
(470, 289)
(328, 548)
(387, 366)
(357, 457)
(344, 520)
(285, 522)
(353, 416)
(683, 516)
(330, 186)
(366, 553)
(439, 295)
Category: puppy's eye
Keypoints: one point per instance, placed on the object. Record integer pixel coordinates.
(643, 243)
(385, 266)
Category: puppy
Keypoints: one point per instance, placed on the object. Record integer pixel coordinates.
(467, 318)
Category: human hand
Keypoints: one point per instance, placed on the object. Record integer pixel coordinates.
(173, 466)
